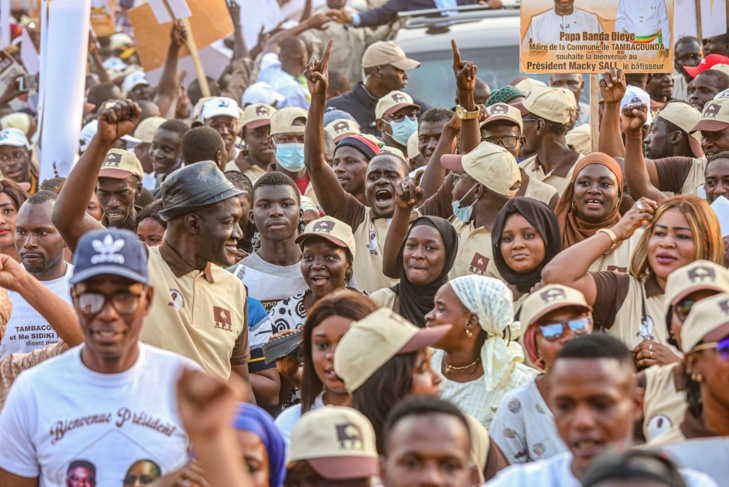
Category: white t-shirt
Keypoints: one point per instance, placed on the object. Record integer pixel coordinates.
(269, 283)
(557, 472)
(288, 418)
(27, 330)
(60, 413)
(547, 28)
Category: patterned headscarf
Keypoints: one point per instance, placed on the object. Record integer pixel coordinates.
(491, 301)
(504, 95)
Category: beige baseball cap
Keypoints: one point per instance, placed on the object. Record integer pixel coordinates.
(257, 115)
(382, 53)
(337, 441)
(553, 104)
(341, 128)
(548, 299)
(413, 143)
(374, 340)
(282, 122)
(707, 322)
(147, 127)
(698, 275)
(724, 68)
(490, 165)
(715, 116)
(528, 84)
(337, 232)
(581, 139)
(685, 117)
(394, 151)
(502, 111)
(392, 102)
(120, 164)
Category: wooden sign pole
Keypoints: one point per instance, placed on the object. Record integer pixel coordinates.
(699, 29)
(194, 54)
(595, 111)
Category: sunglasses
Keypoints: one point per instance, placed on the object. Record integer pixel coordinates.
(555, 331)
(722, 347)
(91, 304)
(683, 308)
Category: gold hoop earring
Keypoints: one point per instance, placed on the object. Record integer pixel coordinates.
(469, 333)
(697, 377)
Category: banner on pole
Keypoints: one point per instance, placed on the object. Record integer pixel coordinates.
(591, 36)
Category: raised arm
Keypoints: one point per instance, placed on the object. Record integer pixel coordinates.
(435, 174)
(317, 21)
(240, 48)
(407, 197)
(613, 88)
(58, 313)
(637, 172)
(570, 267)
(116, 119)
(98, 64)
(326, 185)
(168, 88)
(466, 82)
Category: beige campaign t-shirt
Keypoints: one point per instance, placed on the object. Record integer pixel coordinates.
(201, 315)
(665, 399)
(619, 259)
(535, 189)
(557, 179)
(681, 175)
(369, 237)
(474, 250)
(253, 172)
(384, 298)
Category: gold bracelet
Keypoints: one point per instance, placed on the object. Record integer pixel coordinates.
(609, 233)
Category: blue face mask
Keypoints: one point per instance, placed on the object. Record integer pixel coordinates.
(463, 214)
(402, 130)
(290, 156)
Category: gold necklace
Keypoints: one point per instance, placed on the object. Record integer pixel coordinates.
(449, 367)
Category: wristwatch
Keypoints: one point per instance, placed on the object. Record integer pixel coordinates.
(465, 115)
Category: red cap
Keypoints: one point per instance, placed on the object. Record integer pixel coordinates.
(707, 63)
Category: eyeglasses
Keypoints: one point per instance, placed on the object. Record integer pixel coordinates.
(683, 308)
(400, 116)
(143, 479)
(722, 347)
(92, 304)
(555, 331)
(508, 142)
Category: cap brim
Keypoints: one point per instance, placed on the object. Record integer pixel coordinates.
(522, 109)
(400, 106)
(425, 337)
(257, 123)
(301, 238)
(696, 287)
(406, 64)
(453, 162)
(218, 114)
(555, 306)
(719, 333)
(341, 468)
(168, 213)
(113, 270)
(496, 118)
(114, 174)
(693, 71)
(18, 144)
(709, 126)
(695, 147)
(131, 141)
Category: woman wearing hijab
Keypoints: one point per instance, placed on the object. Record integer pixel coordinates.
(264, 450)
(479, 357)
(426, 251)
(590, 203)
(525, 238)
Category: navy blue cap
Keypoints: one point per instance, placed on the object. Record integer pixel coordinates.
(112, 251)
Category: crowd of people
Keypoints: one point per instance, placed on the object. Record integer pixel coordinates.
(308, 277)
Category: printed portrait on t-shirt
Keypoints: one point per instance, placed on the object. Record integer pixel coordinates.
(81, 473)
(142, 472)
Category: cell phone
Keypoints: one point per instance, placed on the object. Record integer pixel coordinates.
(288, 345)
(26, 83)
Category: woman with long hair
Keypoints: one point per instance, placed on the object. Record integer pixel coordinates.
(327, 322)
(382, 359)
(679, 230)
(479, 357)
(525, 238)
(592, 201)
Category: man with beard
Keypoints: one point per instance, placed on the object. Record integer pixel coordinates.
(253, 161)
(369, 224)
(15, 158)
(40, 247)
(199, 310)
(118, 187)
(595, 400)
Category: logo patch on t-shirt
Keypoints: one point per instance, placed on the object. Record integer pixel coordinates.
(479, 263)
(178, 300)
(373, 243)
(223, 320)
